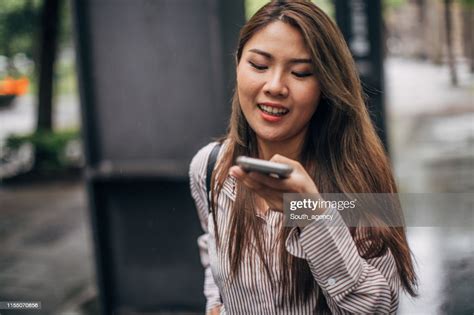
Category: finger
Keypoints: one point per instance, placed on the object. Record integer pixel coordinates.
(283, 184)
(283, 159)
(245, 179)
(237, 172)
(255, 178)
(273, 196)
(259, 187)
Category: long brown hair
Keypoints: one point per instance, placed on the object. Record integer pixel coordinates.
(342, 154)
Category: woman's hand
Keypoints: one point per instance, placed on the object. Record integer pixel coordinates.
(272, 189)
(215, 311)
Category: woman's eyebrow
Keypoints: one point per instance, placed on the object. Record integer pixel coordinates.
(269, 56)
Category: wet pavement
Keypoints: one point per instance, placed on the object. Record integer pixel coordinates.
(45, 245)
(45, 241)
(432, 142)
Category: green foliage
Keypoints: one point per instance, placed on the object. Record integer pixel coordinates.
(393, 4)
(467, 3)
(327, 6)
(65, 25)
(252, 6)
(50, 147)
(65, 79)
(18, 26)
(389, 5)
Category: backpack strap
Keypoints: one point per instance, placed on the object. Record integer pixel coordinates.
(211, 163)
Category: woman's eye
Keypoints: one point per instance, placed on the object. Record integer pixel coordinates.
(302, 74)
(258, 67)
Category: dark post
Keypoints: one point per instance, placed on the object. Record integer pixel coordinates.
(48, 49)
(155, 80)
(361, 23)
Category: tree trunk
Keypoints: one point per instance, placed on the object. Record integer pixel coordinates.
(422, 21)
(471, 39)
(468, 35)
(47, 55)
(449, 41)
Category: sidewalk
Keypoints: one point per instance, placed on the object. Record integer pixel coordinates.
(430, 126)
(46, 245)
(431, 130)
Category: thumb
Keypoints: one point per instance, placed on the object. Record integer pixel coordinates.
(283, 159)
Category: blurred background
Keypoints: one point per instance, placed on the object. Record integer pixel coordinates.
(56, 176)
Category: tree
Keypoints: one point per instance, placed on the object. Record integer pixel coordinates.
(48, 50)
(449, 40)
(468, 30)
(18, 23)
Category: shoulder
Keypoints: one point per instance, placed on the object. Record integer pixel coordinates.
(197, 168)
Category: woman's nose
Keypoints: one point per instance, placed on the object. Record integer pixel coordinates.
(276, 86)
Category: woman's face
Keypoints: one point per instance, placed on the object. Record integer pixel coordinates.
(277, 88)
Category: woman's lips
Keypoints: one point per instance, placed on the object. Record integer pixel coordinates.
(271, 112)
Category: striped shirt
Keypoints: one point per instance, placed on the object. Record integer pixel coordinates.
(350, 283)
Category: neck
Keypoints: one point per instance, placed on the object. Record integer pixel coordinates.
(290, 148)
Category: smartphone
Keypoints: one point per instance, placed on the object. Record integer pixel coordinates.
(274, 169)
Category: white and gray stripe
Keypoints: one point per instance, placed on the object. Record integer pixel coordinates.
(350, 283)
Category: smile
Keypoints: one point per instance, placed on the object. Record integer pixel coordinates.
(271, 110)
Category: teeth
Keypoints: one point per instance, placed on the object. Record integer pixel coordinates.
(273, 110)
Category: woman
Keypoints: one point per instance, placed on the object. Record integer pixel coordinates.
(298, 100)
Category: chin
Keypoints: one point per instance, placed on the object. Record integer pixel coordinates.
(271, 136)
